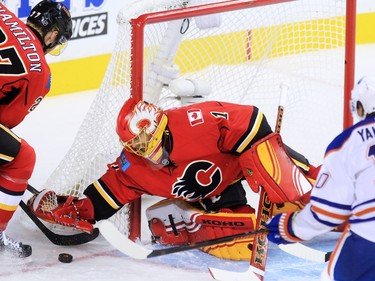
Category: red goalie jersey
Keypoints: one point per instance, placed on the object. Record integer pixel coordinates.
(202, 141)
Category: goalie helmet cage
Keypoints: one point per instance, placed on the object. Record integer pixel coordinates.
(171, 51)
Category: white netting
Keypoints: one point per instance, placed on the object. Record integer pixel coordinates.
(243, 56)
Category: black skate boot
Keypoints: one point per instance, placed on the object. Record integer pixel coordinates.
(13, 247)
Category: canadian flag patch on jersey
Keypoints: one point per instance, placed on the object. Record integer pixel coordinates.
(195, 117)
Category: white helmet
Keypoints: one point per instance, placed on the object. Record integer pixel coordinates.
(364, 92)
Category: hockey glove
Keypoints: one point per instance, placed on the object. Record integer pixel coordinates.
(280, 229)
(65, 210)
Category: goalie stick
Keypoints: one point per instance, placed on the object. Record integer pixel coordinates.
(57, 239)
(257, 263)
(260, 245)
(137, 251)
(296, 249)
(305, 252)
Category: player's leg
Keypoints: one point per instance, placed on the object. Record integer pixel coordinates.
(324, 276)
(352, 259)
(17, 160)
(174, 222)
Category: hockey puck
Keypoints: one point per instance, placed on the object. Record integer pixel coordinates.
(65, 258)
(26, 251)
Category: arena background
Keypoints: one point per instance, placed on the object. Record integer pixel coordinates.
(82, 65)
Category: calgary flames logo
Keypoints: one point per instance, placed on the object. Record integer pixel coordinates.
(144, 118)
(199, 179)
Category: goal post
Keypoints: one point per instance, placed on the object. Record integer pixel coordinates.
(176, 52)
(350, 42)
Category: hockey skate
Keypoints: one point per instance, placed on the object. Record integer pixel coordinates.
(13, 248)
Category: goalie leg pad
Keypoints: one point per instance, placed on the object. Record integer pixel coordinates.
(267, 164)
(176, 222)
(166, 223)
(239, 249)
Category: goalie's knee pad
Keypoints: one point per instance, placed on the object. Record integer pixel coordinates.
(177, 222)
(167, 235)
(166, 223)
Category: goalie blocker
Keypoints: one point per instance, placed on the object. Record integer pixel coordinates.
(268, 165)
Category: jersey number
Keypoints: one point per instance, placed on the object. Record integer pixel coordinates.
(11, 64)
(10, 61)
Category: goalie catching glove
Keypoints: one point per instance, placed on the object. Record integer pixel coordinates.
(177, 222)
(65, 210)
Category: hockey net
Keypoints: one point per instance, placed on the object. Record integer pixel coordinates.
(174, 52)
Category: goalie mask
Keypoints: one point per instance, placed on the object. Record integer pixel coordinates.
(140, 127)
(364, 93)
